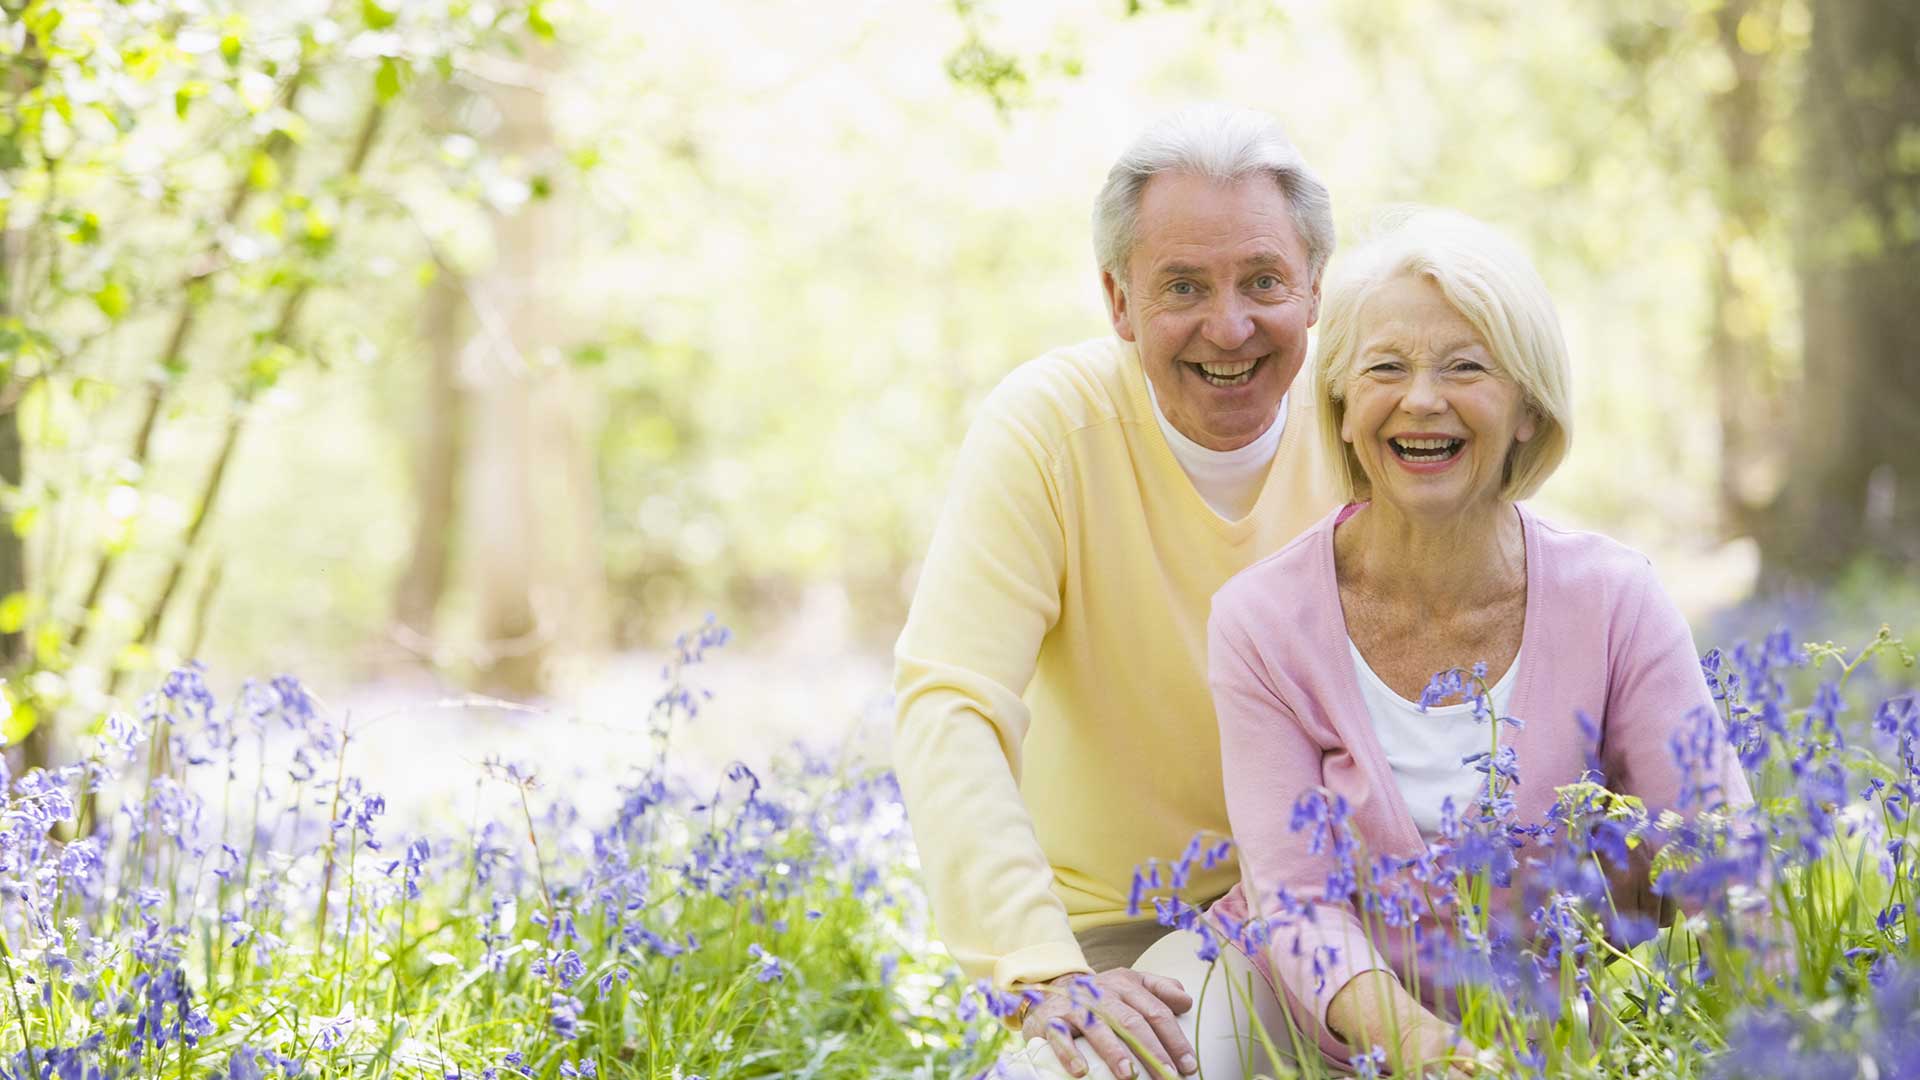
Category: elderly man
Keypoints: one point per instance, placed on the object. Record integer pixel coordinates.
(1054, 727)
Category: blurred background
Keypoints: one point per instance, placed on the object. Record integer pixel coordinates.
(465, 347)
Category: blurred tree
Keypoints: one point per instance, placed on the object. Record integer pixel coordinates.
(176, 184)
(23, 74)
(1853, 489)
(1751, 113)
(534, 509)
(439, 452)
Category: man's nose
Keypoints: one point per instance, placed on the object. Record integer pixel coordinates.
(1229, 322)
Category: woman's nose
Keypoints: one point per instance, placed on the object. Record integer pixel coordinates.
(1424, 395)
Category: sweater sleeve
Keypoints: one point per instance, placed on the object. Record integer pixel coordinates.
(1658, 698)
(988, 593)
(1269, 761)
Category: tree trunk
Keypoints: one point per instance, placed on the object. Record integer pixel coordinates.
(1853, 487)
(437, 468)
(535, 513)
(1752, 402)
(14, 653)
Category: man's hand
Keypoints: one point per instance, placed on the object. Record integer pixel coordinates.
(1143, 1006)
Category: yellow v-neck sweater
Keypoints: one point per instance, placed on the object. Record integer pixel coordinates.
(1053, 727)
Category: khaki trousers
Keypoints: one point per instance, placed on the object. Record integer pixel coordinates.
(1228, 995)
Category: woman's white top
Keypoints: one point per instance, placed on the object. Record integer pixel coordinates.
(1229, 480)
(1425, 748)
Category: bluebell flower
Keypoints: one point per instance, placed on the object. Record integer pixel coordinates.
(772, 968)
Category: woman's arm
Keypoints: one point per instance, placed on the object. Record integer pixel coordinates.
(1658, 698)
(1269, 762)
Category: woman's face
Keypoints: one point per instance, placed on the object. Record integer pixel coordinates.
(1429, 416)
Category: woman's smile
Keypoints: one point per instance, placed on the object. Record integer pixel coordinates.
(1426, 453)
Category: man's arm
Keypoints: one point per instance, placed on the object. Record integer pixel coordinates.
(989, 592)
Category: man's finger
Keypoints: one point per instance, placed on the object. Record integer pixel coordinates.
(1112, 1050)
(1060, 1039)
(1169, 1042)
(1169, 990)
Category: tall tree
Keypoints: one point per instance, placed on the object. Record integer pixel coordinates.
(1853, 487)
(441, 443)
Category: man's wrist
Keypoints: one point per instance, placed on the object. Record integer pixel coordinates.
(1031, 993)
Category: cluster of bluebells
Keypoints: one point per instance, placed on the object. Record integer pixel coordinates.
(203, 853)
(1523, 930)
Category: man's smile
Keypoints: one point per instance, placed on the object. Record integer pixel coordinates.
(1227, 374)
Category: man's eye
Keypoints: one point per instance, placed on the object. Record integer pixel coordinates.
(1182, 288)
(1266, 282)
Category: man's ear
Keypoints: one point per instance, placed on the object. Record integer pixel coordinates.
(1117, 305)
(1313, 303)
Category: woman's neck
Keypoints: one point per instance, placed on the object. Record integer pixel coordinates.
(1465, 561)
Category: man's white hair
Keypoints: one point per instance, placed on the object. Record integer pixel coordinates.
(1224, 144)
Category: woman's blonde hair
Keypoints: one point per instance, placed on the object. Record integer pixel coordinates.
(1493, 285)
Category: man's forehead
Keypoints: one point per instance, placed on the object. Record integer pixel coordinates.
(1257, 257)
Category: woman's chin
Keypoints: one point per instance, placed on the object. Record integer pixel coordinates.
(1434, 502)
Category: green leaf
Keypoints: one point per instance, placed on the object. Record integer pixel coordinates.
(42, 19)
(19, 722)
(538, 22)
(263, 172)
(183, 97)
(86, 229)
(268, 365)
(375, 16)
(13, 612)
(49, 645)
(40, 422)
(111, 299)
(387, 82)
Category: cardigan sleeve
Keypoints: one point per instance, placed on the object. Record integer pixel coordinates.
(989, 592)
(1268, 763)
(1658, 701)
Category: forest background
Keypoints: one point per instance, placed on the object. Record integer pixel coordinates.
(427, 349)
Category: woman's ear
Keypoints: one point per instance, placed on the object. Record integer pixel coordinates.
(1529, 425)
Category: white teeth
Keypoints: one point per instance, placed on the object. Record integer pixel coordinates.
(1235, 373)
(1426, 449)
(1229, 370)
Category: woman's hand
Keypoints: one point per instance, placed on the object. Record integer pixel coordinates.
(1373, 1009)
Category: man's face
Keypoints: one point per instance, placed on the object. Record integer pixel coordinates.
(1218, 299)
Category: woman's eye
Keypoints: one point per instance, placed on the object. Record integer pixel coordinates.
(1469, 367)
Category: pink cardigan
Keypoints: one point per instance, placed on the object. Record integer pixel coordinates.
(1600, 636)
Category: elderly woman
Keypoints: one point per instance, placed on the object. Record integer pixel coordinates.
(1443, 385)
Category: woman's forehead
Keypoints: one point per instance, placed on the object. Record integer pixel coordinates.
(1409, 314)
